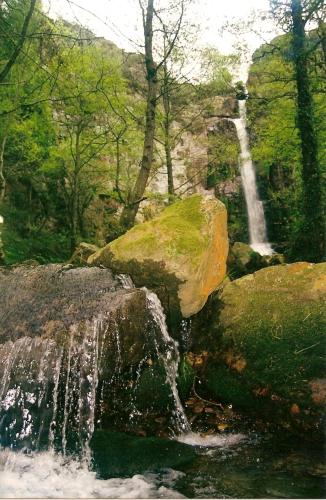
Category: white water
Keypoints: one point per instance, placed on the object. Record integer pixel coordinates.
(39, 361)
(210, 440)
(48, 475)
(170, 358)
(255, 209)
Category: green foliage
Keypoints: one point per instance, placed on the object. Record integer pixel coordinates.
(42, 246)
(217, 71)
(275, 139)
(69, 88)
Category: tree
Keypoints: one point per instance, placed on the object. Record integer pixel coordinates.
(311, 238)
(152, 68)
(18, 45)
(86, 127)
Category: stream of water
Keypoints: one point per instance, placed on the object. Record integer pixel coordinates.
(256, 217)
(39, 421)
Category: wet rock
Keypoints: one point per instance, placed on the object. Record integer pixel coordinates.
(117, 454)
(67, 337)
(181, 254)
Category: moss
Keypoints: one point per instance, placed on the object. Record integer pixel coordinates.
(183, 250)
(179, 224)
(185, 378)
(227, 387)
(275, 320)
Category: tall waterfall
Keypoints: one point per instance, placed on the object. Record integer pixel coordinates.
(255, 210)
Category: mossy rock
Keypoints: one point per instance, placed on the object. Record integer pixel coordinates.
(270, 334)
(181, 253)
(117, 454)
(82, 253)
(242, 259)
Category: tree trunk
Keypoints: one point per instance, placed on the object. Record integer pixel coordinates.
(22, 37)
(130, 211)
(74, 200)
(167, 132)
(2, 177)
(312, 235)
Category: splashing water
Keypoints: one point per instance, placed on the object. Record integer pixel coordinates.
(210, 440)
(48, 475)
(255, 209)
(46, 393)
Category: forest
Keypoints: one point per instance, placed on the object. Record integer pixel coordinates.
(162, 249)
(71, 148)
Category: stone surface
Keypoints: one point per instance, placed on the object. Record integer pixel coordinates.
(269, 342)
(182, 252)
(221, 107)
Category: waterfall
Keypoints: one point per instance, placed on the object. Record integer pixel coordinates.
(255, 209)
(166, 350)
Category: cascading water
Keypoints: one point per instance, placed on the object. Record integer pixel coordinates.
(255, 209)
(170, 357)
(52, 390)
(166, 350)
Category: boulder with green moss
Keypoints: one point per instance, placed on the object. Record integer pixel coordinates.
(181, 254)
(268, 352)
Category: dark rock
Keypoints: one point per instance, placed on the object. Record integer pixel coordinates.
(117, 454)
(67, 337)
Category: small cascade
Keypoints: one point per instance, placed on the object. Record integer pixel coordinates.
(169, 354)
(55, 391)
(255, 209)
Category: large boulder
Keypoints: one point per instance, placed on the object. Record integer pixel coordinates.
(72, 343)
(267, 342)
(181, 253)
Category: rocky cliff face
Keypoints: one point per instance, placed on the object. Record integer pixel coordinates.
(191, 154)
